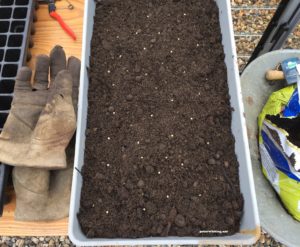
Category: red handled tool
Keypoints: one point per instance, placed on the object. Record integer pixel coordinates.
(57, 17)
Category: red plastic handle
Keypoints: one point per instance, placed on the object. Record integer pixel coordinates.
(64, 26)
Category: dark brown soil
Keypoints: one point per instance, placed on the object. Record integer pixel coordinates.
(159, 157)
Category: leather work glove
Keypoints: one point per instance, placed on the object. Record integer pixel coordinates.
(42, 194)
(42, 121)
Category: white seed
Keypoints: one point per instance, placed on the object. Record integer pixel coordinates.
(148, 16)
(108, 71)
(146, 74)
(108, 138)
(207, 143)
(117, 36)
(142, 157)
(198, 45)
(120, 56)
(156, 88)
(113, 84)
(182, 164)
(199, 93)
(171, 51)
(184, 72)
(178, 38)
(200, 195)
(138, 142)
(158, 172)
(191, 118)
(172, 135)
(168, 196)
(166, 157)
(158, 33)
(172, 100)
(184, 14)
(145, 48)
(114, 113)
(144, 209)
(107, 165)
(93, 205)
(106, 212)
(151, 115)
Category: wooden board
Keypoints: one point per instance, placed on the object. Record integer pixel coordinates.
(48, 34)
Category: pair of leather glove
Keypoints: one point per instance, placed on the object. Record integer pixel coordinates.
(37, 133)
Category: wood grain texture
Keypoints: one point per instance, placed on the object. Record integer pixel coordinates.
(48, 34)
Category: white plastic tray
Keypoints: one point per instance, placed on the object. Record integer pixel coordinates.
(250, 227)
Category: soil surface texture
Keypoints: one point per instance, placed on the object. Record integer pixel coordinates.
(159, 152)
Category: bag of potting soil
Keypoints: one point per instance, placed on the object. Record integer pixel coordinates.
(279, 144)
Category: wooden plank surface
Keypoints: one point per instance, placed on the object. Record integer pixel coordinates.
(48, 34)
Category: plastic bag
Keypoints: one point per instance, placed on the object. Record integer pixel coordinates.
(279, 144)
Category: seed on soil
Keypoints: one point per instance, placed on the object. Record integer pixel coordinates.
(106, 211)
(108, 138)
(180, 220)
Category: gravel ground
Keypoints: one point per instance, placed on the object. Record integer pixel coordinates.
(250, 18)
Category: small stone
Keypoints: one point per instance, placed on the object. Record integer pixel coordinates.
(186, 162)
(129, 97)
(41, 239)
(35, 240)
(262, 239)
(20, 242)
(153, 40)
(140, 183)
(161, 146)
(201, 141)
(111, 109)
(229, 220)
(137, 68)
(226, 164)
(195, 184)
(106, 45)
(149, 169)
(138, 78)
(180, 220)
(211, 161)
